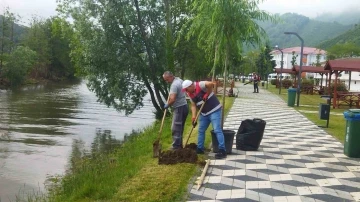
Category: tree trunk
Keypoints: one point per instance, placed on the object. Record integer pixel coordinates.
(169, 38)
(154, 80)
(224, 92)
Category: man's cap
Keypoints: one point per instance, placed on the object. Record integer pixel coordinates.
(186, 84)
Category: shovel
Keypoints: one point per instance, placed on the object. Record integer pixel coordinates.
(156, 145)
(196, 118)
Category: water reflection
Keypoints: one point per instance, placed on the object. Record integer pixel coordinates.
(40, 126)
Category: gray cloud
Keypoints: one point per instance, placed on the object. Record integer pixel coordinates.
(310, 8)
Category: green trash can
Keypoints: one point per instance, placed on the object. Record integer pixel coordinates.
(291, 97)
(352, 135)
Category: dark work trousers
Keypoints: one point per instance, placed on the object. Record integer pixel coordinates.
(177, 127)
(256, 87)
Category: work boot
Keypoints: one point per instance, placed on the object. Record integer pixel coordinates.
(199, 151)
(221, 154)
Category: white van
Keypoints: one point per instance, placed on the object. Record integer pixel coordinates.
(274, 76)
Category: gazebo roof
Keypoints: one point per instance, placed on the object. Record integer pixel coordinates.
(288, 71)
(347, 64)
(311, 69)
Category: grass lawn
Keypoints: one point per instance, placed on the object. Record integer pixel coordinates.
(309, 107)
(134, 175)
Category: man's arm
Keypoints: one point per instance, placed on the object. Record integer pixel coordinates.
(193, 110)
(209, 87)
(172, 99)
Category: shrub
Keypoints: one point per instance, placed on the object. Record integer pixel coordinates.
(20, 62)
(273, 81)
(286, 83)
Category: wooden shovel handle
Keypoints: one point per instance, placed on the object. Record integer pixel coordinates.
(196, 118)
(163, 119)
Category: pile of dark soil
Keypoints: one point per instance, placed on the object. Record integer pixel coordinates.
(186, 155)
(192, 146)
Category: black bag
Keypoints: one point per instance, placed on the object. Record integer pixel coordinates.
(250, 134)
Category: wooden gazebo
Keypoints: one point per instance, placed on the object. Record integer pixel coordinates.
(312, 69)
(284, 71)
(336, 67)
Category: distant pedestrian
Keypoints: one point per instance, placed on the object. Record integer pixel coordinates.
(178, 102)
(200, 92)
(256, 80)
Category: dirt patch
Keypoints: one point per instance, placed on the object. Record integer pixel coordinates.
(185, 155)
(192, 146)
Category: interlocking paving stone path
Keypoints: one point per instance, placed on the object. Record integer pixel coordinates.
(296, 161)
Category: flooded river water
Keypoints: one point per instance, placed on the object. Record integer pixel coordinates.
(39, 124)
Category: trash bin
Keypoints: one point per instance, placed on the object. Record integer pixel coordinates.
(263, 84)
(243, 80)
(352, 135)
(291, 97)
(228, 139)
(250, 134)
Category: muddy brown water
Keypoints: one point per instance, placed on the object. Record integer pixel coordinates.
(41, 124)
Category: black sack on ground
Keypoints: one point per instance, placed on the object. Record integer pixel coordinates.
(250, 134)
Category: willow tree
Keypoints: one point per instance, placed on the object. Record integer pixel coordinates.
(223, 26)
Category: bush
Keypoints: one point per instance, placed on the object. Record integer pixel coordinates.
(273, 81)
(307, 82)
(286, 83)
(340, 87)
(19, 64)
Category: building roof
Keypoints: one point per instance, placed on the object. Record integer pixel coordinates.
(288, 71)
(346, 64)
(312, 69)
(306, 50)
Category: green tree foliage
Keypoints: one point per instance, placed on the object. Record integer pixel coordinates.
(50, 39)
(37, 38)
(265, 63)
(19, 63)
(343, 51)
(293, 59)
(7, 35)
(121, 47)
(222, 26)
(352, 36)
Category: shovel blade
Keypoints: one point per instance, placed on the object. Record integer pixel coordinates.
(156, 149)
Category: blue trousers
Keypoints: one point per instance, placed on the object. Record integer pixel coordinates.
(204, 122)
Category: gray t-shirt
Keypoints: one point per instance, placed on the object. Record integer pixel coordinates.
(176, 88)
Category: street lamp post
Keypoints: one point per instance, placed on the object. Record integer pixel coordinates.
(300, 68)
(281, 67)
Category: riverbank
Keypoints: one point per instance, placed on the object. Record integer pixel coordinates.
(130, 173)
(45, 125)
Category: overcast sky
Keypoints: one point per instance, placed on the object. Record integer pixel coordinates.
(310, 8)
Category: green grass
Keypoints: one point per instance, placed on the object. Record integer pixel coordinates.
(311, 103)
(134, 175)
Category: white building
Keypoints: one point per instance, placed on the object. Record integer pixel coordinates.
(309, 56)
(309, 59)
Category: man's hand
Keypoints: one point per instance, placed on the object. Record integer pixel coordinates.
(166, 106)
(205, 97)
(194, 123)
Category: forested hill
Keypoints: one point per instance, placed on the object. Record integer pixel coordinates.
(18, 30)
(348, 17)
(313, 32)
(351, 36)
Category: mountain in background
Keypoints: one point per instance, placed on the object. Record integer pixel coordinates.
(351, 36)
(312, 31)
(18, 30)
(348, 17)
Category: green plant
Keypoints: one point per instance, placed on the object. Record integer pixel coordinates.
(20, 63)
(286, 83)
(273, 81)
